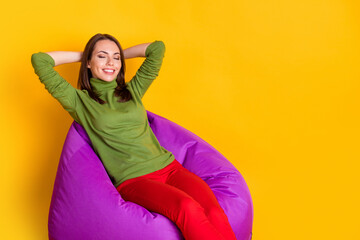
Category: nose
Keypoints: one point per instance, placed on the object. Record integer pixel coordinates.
(110, 62)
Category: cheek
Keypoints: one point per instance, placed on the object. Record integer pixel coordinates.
(119, 66)
(97, 63)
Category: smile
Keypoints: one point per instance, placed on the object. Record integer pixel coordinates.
(109, 71)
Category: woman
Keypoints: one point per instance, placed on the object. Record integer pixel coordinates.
(112, 113)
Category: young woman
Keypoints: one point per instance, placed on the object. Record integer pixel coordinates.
(112, 113)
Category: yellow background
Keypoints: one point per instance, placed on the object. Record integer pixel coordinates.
(273, 85)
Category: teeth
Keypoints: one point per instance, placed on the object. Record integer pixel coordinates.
(105, 70)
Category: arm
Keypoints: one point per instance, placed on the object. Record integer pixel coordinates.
(136, 51)
(149, 69)
(57, 86)
(61, 57)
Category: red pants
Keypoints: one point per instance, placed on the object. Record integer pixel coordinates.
(182, 197)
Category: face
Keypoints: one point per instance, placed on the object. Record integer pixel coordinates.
(105, 62)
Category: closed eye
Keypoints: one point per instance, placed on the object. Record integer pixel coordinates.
(104, 57)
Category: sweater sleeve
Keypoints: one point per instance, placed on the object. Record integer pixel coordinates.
(57, 86)
(149, 69)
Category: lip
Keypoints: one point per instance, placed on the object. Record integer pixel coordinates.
(109, 73)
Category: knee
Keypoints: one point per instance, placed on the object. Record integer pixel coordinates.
(215, 213)
(190, 206)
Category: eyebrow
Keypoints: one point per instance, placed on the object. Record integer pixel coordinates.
(107, 52)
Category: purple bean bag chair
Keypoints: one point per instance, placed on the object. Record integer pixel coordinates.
(86, 205)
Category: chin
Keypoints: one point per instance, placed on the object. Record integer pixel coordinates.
(107, 78)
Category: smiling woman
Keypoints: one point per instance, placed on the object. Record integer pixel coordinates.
(115, 119)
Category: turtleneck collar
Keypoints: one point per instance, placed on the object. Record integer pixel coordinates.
(100, 86)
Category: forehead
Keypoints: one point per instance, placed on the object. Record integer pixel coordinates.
(106, 45)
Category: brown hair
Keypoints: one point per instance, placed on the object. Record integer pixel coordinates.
(85, 73)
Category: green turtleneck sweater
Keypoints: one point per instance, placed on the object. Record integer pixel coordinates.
(119, 131)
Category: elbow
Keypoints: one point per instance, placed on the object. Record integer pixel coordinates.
(35, 59)
(40, 59)
(161, 45)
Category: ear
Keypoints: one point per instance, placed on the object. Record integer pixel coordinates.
(88, 64)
